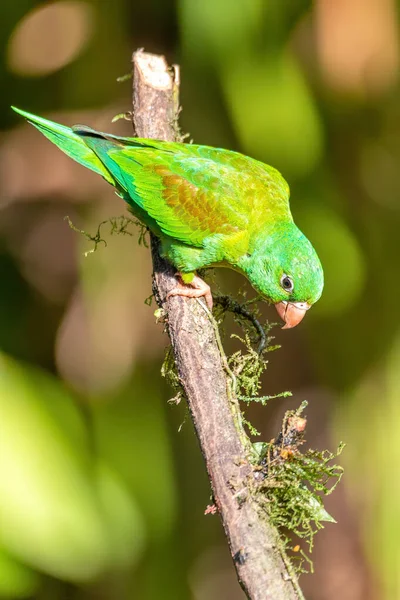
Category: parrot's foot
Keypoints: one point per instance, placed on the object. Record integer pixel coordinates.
(197, 288)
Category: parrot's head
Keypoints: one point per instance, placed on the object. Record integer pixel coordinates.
(286, 270)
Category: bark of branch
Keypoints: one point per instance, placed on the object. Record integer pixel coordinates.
(253, 542)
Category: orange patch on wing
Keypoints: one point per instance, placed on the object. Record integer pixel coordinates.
(196, 206)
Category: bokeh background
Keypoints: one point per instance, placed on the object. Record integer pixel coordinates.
(102, 491)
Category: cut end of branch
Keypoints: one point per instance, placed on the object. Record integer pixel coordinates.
(153, 69)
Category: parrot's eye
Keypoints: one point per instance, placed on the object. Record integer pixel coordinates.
(287, 283)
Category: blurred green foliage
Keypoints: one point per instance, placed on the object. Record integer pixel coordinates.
(99, 495)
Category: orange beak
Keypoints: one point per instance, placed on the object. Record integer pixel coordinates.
(291, 312)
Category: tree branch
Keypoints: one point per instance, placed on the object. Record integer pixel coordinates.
(254, 544)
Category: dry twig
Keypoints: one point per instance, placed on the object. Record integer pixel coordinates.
(254, 543)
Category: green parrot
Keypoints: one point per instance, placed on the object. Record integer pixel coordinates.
(209, 207)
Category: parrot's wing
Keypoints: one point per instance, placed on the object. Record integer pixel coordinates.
(190, 191)
(190, 197)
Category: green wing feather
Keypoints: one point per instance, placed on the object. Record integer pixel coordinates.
(190, 192)
(190, 197)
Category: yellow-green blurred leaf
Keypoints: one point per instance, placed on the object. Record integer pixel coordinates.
(16, 580)
(208, 27)
(124, 522)
(51, 513)
(341, 257)
(131, 435)
(273, 112)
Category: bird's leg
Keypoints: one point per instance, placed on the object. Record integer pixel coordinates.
(197, 288)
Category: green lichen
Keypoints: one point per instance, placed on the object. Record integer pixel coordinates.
(249, 362)
(117, 226)
(170, 372)
(290, 484)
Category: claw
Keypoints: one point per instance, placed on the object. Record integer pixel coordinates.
(195, 289)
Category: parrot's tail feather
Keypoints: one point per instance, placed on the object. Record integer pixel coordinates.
(96, 151)
(102, 144)
(87, 132)
(69, 142)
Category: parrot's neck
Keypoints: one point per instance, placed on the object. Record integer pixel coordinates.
(268, 244)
